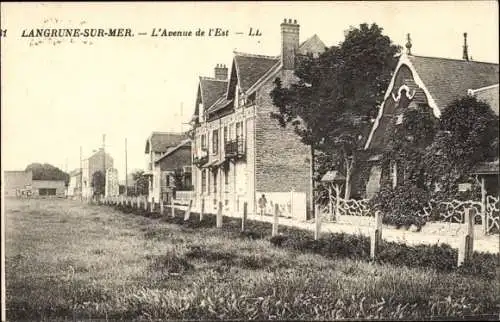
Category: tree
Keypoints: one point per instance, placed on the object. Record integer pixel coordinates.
(336, 95)
(98, 183)
(47, 172)
(468, 135)
(141, 182)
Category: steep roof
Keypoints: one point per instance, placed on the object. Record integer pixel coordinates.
(441, 80)
(211, 89)
(161, 141)
(250, 68)
(312, 45)
(448, 79)
(186, 142)
(489, 95)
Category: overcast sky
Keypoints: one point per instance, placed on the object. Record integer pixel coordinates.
(56, 98)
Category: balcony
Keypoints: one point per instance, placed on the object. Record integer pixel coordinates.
(201, 158)
(235, 149)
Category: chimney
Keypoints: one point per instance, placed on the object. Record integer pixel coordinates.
(221, 72)
(289, 43)
(465, 55)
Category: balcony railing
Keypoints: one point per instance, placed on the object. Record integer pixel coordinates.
(235, 148)
(201, 158)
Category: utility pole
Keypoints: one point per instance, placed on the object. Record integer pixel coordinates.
(81, 175)
(104, 159)
(126, 169)
(182, 108)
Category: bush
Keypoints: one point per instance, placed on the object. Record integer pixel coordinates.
(401, 206)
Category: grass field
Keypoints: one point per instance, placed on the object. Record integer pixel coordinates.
(67, 260)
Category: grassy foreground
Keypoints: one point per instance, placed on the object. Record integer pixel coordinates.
(70, 260)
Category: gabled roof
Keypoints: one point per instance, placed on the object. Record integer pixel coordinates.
(250, 68)
(186, 142)
(161, 141)
(211, 89)
(489, 95)
(442, 80)
(312, 45)
(449, 79)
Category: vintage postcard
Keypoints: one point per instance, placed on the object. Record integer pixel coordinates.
(320, 160)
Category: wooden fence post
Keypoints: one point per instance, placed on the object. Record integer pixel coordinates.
(187, 214)
(202, 210)
(275, 222)
(219, 215)
(172, 206)
(466, 247)
(317, 219)
(376, 236)
(244, 217)
(162, 208)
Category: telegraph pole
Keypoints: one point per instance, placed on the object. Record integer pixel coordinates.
(104, 159)
(126, 169)
(81, 175)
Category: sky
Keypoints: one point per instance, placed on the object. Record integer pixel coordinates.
(58, 97)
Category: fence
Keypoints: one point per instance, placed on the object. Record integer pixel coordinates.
(290, 204)
(357, 211)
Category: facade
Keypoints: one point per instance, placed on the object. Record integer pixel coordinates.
(16, 181)
(99, 161)
(429, 83)
(48, 188)
(112, 187)
(173, 171)
(239, 151)
(158, 144)
(75, 184)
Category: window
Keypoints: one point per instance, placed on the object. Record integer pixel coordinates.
(215, 141)
(239, 129)
(226, 175)
(225, 135)
(203, 142)
(215, 181)
(203, 181)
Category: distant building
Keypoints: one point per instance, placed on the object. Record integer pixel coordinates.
(99, 161)
(172, 171)
(14, 181)
(157, 144)
(17, 182)
(112, 188)
(75, 183)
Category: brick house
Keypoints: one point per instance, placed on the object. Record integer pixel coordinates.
(429, 83)
(158, 144)
(174, 170)
(240, 152)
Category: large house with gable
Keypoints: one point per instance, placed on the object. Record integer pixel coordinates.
(430, 83)
(240, 153)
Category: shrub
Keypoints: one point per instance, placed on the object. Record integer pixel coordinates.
(401, 206)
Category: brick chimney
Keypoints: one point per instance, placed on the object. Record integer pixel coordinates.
(289, 43)
(465, 54)
(221, 72)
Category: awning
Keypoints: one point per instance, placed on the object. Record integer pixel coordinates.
(210, 164)
(220, 162)
(332, 176)
(487, 168)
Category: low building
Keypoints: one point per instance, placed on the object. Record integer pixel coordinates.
(99, 161)
(16, 181)
(173, 171)
(48, 188)
(157, 144)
